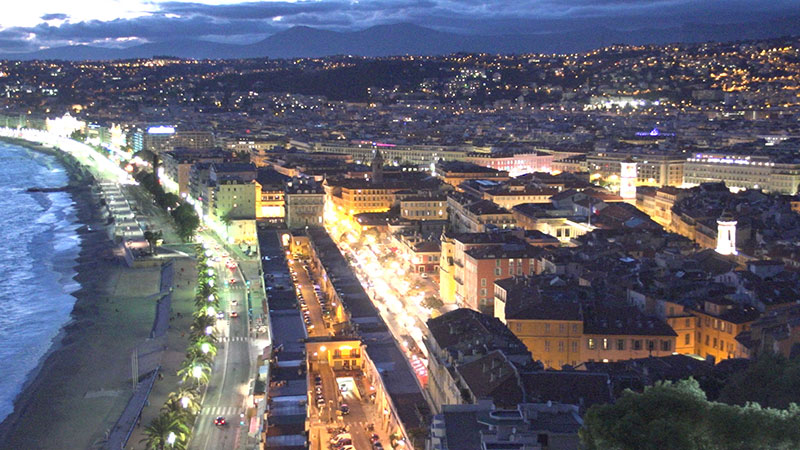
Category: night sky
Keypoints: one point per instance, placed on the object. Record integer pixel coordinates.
(48, 23)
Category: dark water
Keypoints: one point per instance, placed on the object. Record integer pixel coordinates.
(38, 247)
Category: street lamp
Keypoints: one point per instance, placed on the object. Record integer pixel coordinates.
(185, 402)
(197, 371)
(211, 297)
(205, 347)
(171, 438)
(210, 272)
(211, 311)
(209, 330)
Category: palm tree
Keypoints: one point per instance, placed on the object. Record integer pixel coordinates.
(158, 431)
(194, 369)
(183, 402)
(199, 326)
(203, 312)
(196, 354)
(203, 346)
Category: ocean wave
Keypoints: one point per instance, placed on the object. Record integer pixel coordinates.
(37, 264)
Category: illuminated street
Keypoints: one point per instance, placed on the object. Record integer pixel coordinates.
(228, 387)
(395, 291)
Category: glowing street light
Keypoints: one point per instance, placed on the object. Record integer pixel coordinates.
(209, 330)
(205, 347)
(185, 402)
(211, 298)
(211, 283)
(211, 311)
(197, 371)
(171, 438)
(210, 272)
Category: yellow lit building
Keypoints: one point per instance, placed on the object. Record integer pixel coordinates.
(718, 324)
(447, 282)
(424, 208)
(339, 355)
(559, 329)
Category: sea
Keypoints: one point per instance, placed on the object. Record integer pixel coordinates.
(39, 246)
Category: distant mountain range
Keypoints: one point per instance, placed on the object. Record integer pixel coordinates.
(404, 38)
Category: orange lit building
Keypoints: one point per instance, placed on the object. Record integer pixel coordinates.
(561, 325)
(484, 265)
(718, 323)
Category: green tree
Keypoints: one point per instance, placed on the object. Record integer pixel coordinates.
(152, 238)
(194, 370)
(184, 402)
(770, 380)
(78, 135)
(678, 416)
(195, 353)
(200, 324)
(158, 431)
(186, 221)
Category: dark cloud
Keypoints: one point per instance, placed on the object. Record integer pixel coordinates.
(55, 16)
(249, 21)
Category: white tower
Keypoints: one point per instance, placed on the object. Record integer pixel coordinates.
(726, 234)
(627, 180)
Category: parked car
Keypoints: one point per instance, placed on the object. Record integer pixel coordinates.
(340, 436)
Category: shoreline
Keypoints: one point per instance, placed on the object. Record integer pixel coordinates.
(95, 249)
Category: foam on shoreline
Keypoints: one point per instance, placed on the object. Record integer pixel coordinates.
(74, 266)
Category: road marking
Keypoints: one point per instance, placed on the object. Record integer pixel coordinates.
(228, 412)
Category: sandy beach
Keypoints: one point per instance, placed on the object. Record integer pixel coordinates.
(81, 386)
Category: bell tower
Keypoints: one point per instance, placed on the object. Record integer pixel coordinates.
(377, 168)
(627, 180)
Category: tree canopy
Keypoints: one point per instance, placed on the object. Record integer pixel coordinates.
(678, 416)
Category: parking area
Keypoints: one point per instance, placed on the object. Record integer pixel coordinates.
(311, 302)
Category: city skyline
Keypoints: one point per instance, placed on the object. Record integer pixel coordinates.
(399, 240)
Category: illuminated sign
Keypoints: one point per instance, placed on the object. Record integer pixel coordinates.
(161, 130)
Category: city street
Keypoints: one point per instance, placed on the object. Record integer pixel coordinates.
(395, 291)
(337, 388)
(229, 384)
(305, 288)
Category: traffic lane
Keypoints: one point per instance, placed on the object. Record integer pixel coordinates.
(329, 394)
(224, 396)
(309, 296)
(357, 420)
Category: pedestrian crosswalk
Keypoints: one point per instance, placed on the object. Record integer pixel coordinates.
(233, 339)
(224, 411)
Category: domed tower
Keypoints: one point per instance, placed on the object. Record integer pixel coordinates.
(627, 180)
(726, 234)
(377, 168)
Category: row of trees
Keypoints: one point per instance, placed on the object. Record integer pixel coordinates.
(172, 428)
(185, 217)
